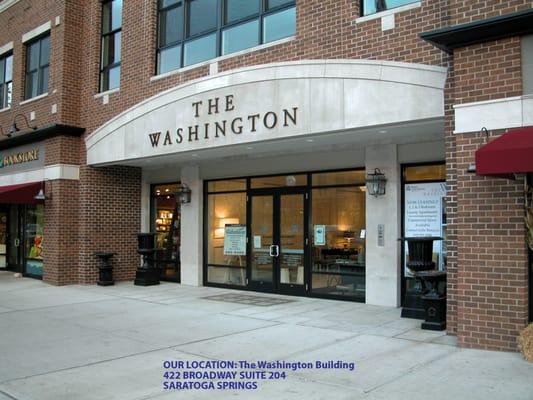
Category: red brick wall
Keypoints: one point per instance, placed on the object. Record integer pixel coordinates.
(491, 289)
(109, 219)
(488, 71)
(65, 44)
(61, 213)
(468, 11)
(487, 262)
(63, 150)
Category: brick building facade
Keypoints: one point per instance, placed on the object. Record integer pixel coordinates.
(399, 96)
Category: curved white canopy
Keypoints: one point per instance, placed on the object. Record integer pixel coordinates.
(271, 102)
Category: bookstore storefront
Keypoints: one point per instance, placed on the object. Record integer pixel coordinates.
(21, 210)
(277, 158)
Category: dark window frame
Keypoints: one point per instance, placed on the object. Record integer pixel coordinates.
(39, 70)
(112, 32)
(222, 26)
(4, 83)
(385, 8)
(404, 181)
(307, 188)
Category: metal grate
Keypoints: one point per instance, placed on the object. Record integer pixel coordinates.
(248, 299)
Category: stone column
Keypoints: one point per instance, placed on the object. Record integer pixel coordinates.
(383, 277)
(192, 228)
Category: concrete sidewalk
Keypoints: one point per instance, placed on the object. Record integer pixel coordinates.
(89, 342)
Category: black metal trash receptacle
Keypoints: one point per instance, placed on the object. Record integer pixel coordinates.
(147, 273)
(105, 270)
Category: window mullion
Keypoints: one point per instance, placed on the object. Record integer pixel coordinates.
(220, 24)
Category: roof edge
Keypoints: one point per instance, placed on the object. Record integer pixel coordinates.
(495, 28)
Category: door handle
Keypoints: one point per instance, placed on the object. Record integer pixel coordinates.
(17, 242)
(274, 250)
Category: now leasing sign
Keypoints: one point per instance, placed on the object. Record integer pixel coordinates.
(226, 124)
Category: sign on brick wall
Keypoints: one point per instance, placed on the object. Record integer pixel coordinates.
(22, 158)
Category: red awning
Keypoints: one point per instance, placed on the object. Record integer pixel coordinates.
(511, 153)
(23, 193)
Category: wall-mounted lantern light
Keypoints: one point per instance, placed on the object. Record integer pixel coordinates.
(375, 183)
(184, 194)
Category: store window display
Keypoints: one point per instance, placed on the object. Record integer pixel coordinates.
(34, 240)
(338, 234)
(166, 218)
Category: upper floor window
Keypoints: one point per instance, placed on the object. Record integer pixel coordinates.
(37, 66)
(374, 6)
(111, 41)
(192, 31)
(6, 80)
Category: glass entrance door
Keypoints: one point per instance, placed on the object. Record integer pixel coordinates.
(291, 260)
(277, 237)
(263, 250)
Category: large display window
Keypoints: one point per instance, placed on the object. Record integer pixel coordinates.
(34, 240)
(226, 235)
(166, 220)
(301, 233)
(339, 233)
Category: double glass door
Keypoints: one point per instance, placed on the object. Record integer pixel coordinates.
(278, 241)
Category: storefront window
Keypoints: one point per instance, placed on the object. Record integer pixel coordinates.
(166, 224)
(424, 207)
(226, 241)
(338, 238)
(34, 237)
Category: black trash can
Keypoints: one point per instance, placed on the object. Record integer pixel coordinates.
(147, 274)
(105, 270)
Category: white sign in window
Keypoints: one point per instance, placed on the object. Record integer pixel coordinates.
(320, 235)
(424, 215)
(235, 240)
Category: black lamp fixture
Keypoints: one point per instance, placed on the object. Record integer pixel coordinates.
(184, 194)
(14, 128)
(375, 183)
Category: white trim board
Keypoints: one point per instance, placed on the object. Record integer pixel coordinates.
(5, 48)
(36, 32)
(510, 112)
(49, 173)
